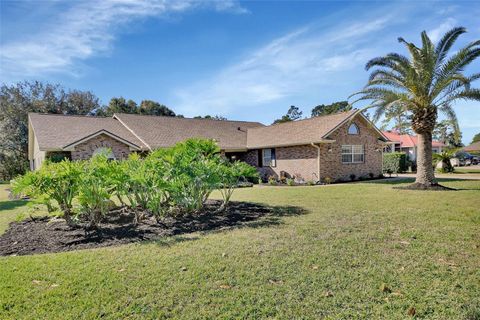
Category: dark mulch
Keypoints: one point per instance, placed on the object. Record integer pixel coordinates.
(420, 186)
(44, 234)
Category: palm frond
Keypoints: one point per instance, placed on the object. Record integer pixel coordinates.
(446, 42)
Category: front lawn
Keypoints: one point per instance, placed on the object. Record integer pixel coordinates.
(362, 250)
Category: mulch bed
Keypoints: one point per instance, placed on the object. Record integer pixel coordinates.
(45, 234)
(419, 186)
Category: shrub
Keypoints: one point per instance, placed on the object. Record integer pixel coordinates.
(310, 182)
(290, 182)
(272, 181)
(371, 175)
(352, 177)
(53, 181)
(394, 162)
(327, 180)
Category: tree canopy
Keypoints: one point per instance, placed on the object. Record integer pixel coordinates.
(16, 101)
(292, 114)
(476, 137)
(146, 107)
(335, 107)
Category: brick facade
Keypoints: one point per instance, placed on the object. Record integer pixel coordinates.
(301, 161)
(86, 149)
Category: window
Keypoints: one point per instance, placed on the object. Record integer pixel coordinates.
(268, 158)
(352, 154)
(353, 129)
(104, 151)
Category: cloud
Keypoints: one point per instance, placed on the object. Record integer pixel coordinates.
(437, 33)
(301, 60)
(85, 29)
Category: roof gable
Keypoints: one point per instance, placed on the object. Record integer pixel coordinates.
(55, 132)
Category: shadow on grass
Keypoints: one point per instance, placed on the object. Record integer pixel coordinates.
(41, 235)
(12, 204)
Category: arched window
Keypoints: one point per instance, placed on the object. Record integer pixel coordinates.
(353, 129)
(104, 151)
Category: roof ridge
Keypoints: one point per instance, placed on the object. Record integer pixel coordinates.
(184, 118)
(69, 115)
(352, 111)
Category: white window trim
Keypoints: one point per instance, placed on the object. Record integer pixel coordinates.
(352, 153)
(356, 128)
(272, 162)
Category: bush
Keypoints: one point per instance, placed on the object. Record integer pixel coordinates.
(352, 177)
(290, 182)
(394, 162)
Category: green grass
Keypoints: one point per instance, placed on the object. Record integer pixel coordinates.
(328, 263)
(467, 170)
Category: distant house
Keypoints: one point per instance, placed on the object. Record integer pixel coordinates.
(407, 143)
(334, 146)
(474, 147)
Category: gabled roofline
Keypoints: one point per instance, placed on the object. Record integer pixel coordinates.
(116, 117)
(97, 133)
(278, 145)
(354, 114)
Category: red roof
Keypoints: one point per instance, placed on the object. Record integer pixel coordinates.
(407, 140)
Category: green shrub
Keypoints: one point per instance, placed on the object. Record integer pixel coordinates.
(290, 182)
(394, 162)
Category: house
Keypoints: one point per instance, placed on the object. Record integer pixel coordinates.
(408, 143)
(335, 146)
(474, 147)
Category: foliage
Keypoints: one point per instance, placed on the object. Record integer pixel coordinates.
(272, 180)
(421, 86)
(146, 107)
(446, 133)
(292, 114)
(445, 158)
(394, 162)
(290, 182)
(336, 107)
(476, 138)
(172, 181)
(215, 117)
(16, 101)
(60, 182)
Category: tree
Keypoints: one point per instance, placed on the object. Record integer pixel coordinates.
(215, 117)
(427, 82)
(401, 122)
(292, 114)
(335, 107)
(154, 108)
(446, 132)
(118, 105)
(16, 101)
(476, 137)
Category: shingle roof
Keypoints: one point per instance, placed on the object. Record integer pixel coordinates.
(473, 147)
(55, 131)
(407, 140)
(158, 131)
(296, 132)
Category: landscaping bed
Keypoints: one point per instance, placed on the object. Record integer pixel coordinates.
(46, 234)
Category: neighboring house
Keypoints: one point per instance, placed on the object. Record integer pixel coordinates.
(408, 143)
(334, 146)
(474, 147)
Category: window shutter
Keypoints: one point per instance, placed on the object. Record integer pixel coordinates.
(260, 158)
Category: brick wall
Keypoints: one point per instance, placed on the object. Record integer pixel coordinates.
(331, 162)
(85, 150)
(302, 160)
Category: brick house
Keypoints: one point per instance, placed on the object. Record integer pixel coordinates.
(334, 146)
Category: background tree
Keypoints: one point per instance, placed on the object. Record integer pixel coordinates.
(476, 137)
(448, 133)
(215, 117)
(397, 120)
(16, 101)
(292, 114)
(118, 105)
(427, 82)
(335, 107)
(154, 108)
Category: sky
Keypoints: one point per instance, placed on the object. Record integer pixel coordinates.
(247, 60)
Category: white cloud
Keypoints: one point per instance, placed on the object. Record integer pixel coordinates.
(438, 32)
(301, 60)
(87, 28)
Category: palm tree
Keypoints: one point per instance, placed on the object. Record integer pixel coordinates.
(427, 82)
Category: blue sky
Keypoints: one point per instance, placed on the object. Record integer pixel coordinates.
(242, 60)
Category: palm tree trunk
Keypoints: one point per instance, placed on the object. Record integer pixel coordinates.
(425, 175)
